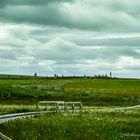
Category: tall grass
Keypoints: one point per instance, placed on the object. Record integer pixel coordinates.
(9, 109)
(106, 125)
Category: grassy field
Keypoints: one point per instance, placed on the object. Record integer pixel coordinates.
(102, 92)
(95, 125)
(21, 95)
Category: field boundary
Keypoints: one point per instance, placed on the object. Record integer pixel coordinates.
(118, 109)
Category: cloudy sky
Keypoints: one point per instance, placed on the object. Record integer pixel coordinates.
(68, 37)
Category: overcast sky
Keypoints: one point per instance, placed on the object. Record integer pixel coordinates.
(68, 37)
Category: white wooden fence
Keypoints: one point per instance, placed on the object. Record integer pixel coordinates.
(59, 106)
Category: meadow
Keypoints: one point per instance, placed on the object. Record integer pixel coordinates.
(22, 95)
(98, 92)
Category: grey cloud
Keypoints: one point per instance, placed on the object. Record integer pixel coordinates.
(80, 15)
(132, 68)
(87, 38)
(89, 41)
(4, 3)
(115, 42)
(12, 54)
(59, 49)
(63, 51)
(7, 55)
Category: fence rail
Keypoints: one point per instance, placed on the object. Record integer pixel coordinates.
(59, 106)
(5, 118)
(3, 137)
(50, 106)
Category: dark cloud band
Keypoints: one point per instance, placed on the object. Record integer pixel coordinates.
(4, 3)
(84, 15)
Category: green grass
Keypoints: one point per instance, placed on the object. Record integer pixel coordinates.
(120, 92)
(9, 109)
(96, 125)
(21, 95)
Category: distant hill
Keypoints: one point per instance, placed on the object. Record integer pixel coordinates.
(15, 76)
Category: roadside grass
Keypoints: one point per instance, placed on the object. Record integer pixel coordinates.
(96, 125)
(9, 109)
(13, 108)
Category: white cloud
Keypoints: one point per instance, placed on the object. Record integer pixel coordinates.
(117, 36)
(124, 62)
(63, 52)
